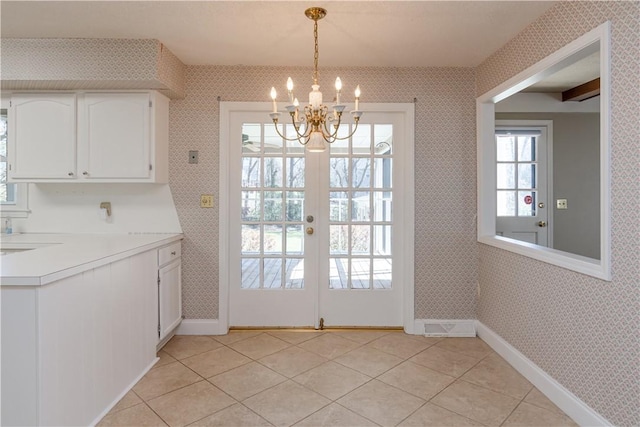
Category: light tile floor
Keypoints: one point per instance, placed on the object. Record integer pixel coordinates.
(332, 378)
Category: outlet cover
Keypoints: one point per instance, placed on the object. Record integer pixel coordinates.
(561, 204)
(206, 200)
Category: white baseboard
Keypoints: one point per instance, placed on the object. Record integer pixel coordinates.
(445, 327)
(579, 411)
(200, 327)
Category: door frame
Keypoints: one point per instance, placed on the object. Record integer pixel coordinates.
(406, 265)
(548, 125)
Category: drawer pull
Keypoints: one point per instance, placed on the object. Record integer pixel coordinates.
(173, 253)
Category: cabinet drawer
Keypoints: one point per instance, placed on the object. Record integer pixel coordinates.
(169, 253)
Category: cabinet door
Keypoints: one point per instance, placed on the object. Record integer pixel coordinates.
(114, 136)
(42, 136)
(170, 289)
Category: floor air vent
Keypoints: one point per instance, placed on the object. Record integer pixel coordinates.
(450, 329)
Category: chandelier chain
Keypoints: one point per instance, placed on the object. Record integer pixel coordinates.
(315, 55)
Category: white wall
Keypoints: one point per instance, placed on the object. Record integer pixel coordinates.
(74, 208)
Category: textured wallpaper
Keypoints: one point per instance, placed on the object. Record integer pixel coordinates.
(582, 331)
(95, 64)
(445, 248)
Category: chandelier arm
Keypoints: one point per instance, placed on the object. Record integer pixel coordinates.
(352, 132)
(275, 122)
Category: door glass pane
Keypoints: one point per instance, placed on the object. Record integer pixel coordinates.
(360, 273)
(361, 172)
(360, 206)
(526, 149)
(273, 143)
(383, 139)
(295, 205)
(273, 205)
(251, 138)
(273, 172)
(338, 239)
(527, 175)
(250, 206)
(382, 240)
(250, 273)
(272, 273)
(382, 173)
(526, 203)
(338, 208)
(341, 146)
(361, 140)
(293, 147)
(382, 205)
(251, 172)
(505, 148)
(294, 273)
(506, 177)
(272, 239)
(295, 237)
(339, 172)
(338, 273)
(382, 273)
(250, 239)
(295, 172)
(360, 240)
(506, 203)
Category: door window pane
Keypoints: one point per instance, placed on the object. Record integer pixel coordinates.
(251, 172)
(526, 175)
(506, 203)
(360, 273)
(526, 203)
(294, 277)
(338, 239)
(339, 172)
(361, 140)
(250, 273)
(295, 205)
(273, 205)
(506, 175)
(295, 238)
(505, 148)
(382, 273)
(272, 239)
(360, 239)
(250, 206)
(338, 206)
(293, 147)
(341, 146)
(382, 206)
(251, 138)
(273, 172)
(250, 239)
(360, 206)
(295, 172)
(272, 273)
(273, 143)
(382, 173)
(382, 240)
(383, 139)
(527, 149)
(361, 172)
(338, 273)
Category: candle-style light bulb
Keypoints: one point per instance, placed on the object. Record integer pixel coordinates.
(357, 96)
(296, 103)
(338, 89)
(290, 89)
(274, 95)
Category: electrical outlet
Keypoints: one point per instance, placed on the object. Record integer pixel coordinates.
(206, 200)
(561, 204)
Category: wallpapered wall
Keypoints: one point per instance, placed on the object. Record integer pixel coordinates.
(582, 331)
(445, 248)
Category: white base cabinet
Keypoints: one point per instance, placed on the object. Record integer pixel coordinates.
(169, 290)
(71, 348)
(88, 137)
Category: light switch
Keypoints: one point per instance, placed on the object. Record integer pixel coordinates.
(206, 200)
(561, 204)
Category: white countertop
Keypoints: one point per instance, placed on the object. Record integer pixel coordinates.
(58, 256)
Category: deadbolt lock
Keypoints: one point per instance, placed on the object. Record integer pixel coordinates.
(310, 218)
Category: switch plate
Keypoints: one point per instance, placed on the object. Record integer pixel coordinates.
(193, 156)
(206, 200)
(561, 204)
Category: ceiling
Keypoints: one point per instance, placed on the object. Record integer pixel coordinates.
(277, 33)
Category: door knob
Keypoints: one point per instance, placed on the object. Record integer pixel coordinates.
(310, 218)
(309, 230)
(542, 224)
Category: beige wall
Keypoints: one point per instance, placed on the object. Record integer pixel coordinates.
(445, 248)
(582, 331)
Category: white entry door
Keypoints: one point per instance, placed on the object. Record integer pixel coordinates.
(316, 235)
(521, 178)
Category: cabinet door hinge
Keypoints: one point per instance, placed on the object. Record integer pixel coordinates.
(150, 103)
(10, 103)
(150, 167)
(158, 330)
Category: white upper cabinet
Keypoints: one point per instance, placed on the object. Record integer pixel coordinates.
(114, 137)
(42, 136)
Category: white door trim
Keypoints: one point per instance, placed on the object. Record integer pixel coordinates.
(407, 265)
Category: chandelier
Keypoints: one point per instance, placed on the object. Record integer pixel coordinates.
(316, 124)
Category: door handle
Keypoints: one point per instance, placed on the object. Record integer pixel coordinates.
(542, 224)
(309, 230)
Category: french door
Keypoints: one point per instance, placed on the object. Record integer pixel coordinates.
(316, 235)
